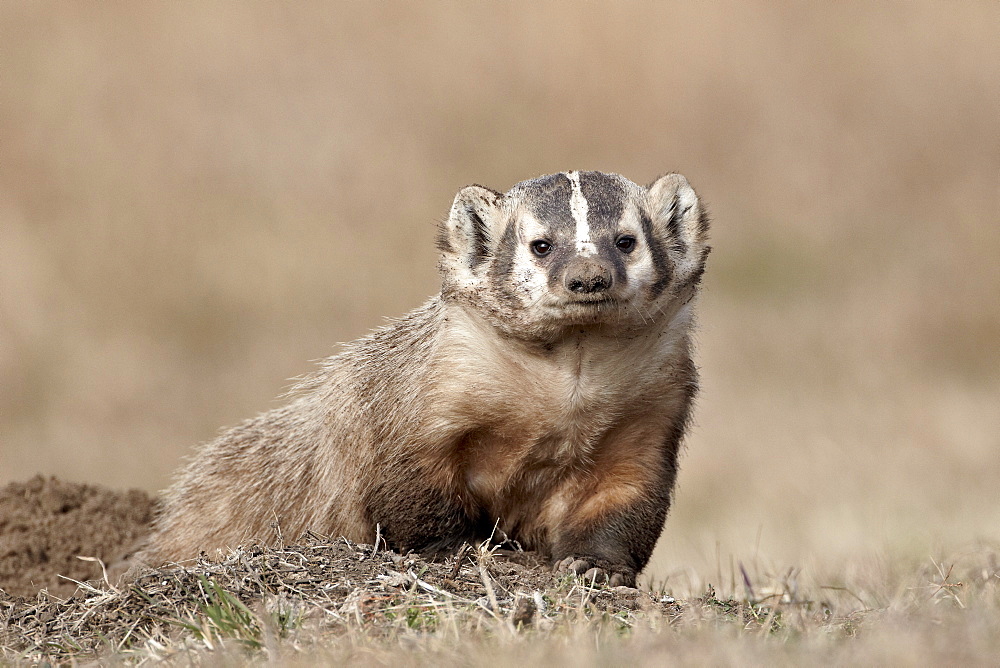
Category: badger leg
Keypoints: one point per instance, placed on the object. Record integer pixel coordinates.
(615, 548)
(610, 529)
(414, 514)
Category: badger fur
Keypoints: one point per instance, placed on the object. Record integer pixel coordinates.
(542, 395)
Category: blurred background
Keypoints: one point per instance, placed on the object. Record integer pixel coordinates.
(196, 199)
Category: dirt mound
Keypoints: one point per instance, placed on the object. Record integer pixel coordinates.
(45, 523)
(321, 589)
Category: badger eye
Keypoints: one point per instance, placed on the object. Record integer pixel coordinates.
(541, 247)
(625, 244)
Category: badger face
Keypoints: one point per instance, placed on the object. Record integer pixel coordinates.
(574, 249)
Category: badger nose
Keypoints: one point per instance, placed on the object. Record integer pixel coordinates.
(587, 276)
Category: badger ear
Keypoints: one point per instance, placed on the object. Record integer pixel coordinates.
(466, 238)
(678, 214)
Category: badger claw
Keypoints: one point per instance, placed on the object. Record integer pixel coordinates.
(594, 573)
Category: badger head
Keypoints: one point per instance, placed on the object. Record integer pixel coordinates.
(575, 249)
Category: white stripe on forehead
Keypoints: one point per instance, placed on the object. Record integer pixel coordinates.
(579, 208)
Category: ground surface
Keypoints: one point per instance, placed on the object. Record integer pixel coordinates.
(254, 595)
(47, 523)
(323, 600)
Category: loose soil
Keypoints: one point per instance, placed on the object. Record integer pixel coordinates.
(46, 524)
(319, 587)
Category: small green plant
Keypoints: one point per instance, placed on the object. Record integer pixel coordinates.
(421, 618)
(222, 616)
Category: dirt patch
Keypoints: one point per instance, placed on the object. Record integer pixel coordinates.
(46, 523)
(276, 601)
(322, 588)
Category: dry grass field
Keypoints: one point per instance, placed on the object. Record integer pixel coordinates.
(196, 199)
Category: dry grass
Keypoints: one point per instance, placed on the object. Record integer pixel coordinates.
(279, 602)
(195, 200)
(334, 602)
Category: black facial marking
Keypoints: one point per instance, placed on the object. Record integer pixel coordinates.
(548, 199)
(695, 277)
(503, 267)
(658, 251)
(617, 259)
(605, 197)
(479, 237)
(556, 268)
(674, 227)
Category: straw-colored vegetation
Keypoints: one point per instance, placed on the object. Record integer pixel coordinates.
(340, 602)
(195, 199)
(336, 601)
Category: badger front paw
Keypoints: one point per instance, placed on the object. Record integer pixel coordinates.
(599, 571)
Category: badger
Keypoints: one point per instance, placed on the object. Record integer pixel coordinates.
(542, 396)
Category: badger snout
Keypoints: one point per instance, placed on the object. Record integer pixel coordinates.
(587, 276)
